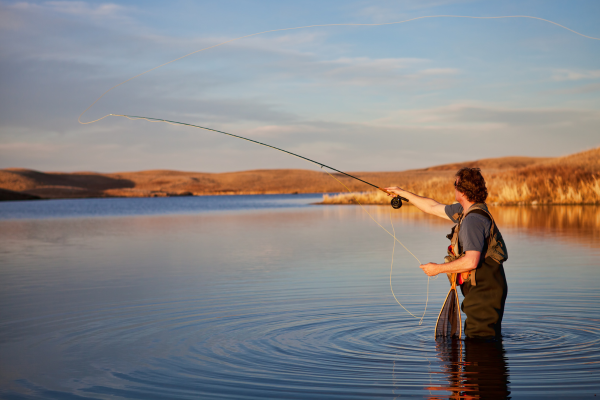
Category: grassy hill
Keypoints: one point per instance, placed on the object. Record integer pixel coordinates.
(573, 179)
(570, 179)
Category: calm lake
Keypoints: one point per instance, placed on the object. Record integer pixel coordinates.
(254, 297)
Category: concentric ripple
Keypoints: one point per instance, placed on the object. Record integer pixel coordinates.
(131, 315)
(330, 348)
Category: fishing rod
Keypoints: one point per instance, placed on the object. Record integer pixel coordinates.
(396, 201)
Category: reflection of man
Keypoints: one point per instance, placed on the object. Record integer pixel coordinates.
(486, 370)
(481, 278)
(482, 374)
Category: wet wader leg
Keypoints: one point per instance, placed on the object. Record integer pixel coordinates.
(484, 303)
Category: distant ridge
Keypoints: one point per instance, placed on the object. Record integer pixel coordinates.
(492, 163)
(9, 195)
(162, 183)
(572, 179)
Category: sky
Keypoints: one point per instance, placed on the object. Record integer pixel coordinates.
(358, 98)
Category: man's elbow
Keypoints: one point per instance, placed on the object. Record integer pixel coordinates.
(438, 210)
(472, 258)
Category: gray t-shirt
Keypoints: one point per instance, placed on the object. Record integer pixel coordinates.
(474, 231)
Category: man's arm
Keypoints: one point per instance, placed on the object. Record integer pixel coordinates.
(463, 264)
(424, 204)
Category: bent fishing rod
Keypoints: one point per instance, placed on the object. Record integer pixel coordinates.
(396, 201)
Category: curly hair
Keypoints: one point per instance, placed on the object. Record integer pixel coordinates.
(471, 184)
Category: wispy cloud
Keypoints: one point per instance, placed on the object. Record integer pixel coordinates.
(353, 97)
(401, 9)
(87, 9)
(575, 75)
(78, 8)
(366, 71)
(389, 72)
(589, 88)
(271, 131)
(413, 139)
(68, 31)
(471, 116)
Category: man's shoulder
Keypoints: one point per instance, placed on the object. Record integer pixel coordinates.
(452, 211)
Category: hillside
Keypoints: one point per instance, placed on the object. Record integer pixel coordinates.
(572, 179)
(506, 176)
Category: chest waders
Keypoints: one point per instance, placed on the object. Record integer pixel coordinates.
(484, 288)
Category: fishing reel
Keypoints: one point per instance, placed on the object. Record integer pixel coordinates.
(397, 202)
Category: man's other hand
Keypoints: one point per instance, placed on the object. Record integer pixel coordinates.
(431, 269)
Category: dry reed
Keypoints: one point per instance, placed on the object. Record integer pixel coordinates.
(551, 184)
(543, 184)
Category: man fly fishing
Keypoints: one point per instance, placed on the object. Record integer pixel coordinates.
(481, 278)
(471, 237)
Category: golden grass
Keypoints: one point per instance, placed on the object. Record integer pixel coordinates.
(566, 180)
(549, 191)
(574, 179)
(357, 197)
(545, 184)
(439, 188)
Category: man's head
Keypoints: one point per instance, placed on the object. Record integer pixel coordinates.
(471, 184)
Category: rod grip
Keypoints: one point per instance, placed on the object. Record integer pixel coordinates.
(393, 194)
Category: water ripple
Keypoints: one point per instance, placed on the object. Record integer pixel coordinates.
(187, 349)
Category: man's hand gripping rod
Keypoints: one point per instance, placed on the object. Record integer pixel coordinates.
(396, 201)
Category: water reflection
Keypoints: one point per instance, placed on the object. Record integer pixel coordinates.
(486, 370)
(480, 373)
(450, 354)
(286, 303)
(578, 224)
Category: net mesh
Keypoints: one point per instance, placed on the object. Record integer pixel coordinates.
(449, 323)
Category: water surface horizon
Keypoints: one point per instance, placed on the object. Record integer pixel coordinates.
(128, 206)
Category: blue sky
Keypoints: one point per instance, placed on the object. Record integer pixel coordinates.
(384, 98)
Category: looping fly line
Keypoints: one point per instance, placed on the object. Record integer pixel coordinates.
(296, 155)
(393, 234)
(315, 26)
(150, 119)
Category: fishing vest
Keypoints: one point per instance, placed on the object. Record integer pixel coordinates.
(496, 248)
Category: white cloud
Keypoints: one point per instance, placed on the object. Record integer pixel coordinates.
(411, 139)
(589, 88)
(366, 72)
(81, 8)
(575, 75)
(76, 8)
(378, 63)
(33, 149)
(270, 131)
(488, 117)
(10, 20)
(398, 10)
(59, 20)
(303, 88)
(439, 71)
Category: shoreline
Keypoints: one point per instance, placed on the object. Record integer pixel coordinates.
(572, 179)
(322, 203)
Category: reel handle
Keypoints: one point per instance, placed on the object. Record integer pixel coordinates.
(397, 202)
